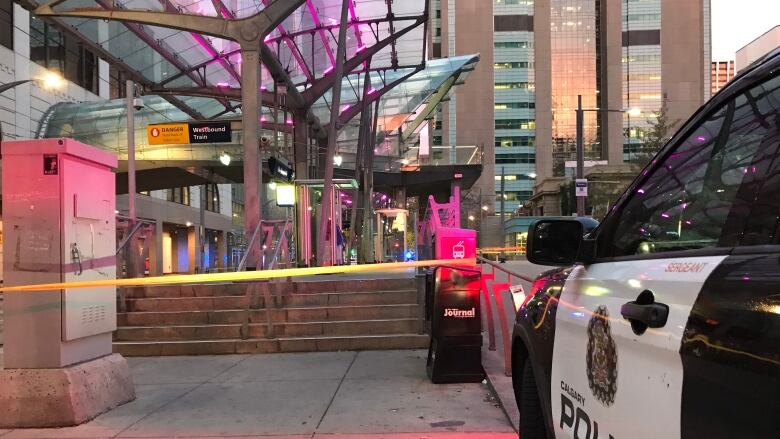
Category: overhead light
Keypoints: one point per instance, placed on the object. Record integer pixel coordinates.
(337, 159)
(272, 185)
(188, 224)
(485, 208)
(116, 212)
(471, 217)
(224, 158)
(532, 175)
(634, 111)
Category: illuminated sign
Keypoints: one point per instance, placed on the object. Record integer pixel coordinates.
(285, 195)
(188, 133)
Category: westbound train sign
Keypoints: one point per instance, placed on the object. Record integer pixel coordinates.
(187, 133)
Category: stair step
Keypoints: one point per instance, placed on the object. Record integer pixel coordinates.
(282, 344)
(233, 331)
(293, 315)
(294, 300)
(282, 288)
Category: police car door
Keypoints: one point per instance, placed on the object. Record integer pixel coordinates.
(617, 371)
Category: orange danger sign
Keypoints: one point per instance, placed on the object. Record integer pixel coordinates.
(168, 134)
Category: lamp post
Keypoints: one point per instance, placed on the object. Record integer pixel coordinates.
(49, 80)
(580, 148)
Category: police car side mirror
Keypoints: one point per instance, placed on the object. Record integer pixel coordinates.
(554, 242)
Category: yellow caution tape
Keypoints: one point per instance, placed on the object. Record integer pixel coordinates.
(238, 276)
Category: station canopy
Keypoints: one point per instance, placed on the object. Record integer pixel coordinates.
(103, 123)
(198, 74)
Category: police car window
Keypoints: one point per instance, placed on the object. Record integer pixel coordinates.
(687, 201)
(763, 222)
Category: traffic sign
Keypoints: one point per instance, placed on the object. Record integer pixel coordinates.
(581, 187)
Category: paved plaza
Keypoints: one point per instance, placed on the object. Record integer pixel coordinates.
(367, 394)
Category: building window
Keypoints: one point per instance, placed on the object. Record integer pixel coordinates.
(513, 45)
(179, 195)
(212, 198)
(509, 141)
(515, 124)
(56, 51)
(512, 65)
(514, 105)
(515, 85)
(7, 23)
(518, 157)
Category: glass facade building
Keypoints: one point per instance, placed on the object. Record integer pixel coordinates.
(515, 102)
(575, 69)
(641, 61)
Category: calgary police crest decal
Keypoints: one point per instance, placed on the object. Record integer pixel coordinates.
(602, 357)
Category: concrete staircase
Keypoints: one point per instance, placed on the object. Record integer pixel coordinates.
(329, 315)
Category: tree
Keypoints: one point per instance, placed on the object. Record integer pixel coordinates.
(660, 131)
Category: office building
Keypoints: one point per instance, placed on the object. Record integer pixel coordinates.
(616, 54)
(757, 48)
(722, 72)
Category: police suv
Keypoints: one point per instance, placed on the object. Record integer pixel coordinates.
(664, 322)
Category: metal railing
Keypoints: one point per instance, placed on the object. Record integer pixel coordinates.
(496, 290)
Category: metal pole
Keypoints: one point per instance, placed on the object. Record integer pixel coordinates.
(250, 67)
(130, 95)
(131, 258)
(503, 198)
(326, 250)
(580, 155)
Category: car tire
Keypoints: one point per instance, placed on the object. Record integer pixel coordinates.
(531, 417)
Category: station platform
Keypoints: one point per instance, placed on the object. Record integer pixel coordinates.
(335, 395)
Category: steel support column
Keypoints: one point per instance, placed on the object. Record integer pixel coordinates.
(250, 120)
(326, 237)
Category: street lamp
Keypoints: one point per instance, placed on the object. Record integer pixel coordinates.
(580, 148)
(49, 81)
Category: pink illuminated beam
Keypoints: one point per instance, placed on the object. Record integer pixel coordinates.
(358, 37)
(316, 19)
(294, 49)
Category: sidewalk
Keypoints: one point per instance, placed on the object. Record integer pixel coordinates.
(329, 395)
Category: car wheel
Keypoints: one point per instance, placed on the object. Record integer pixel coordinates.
(531, 417)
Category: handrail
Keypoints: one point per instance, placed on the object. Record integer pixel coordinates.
(278, 244)
(242, 263)
(497, 289)
(136, 227)
(505, 270)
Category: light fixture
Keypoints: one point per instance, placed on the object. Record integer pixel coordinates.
(404, 161)
(634, 111)
(485, 208)
(188, 224)
(116, 212)
(532, 175)
(224, 158)
(272, 185)
(471, 217)
(337, 159)
(52, 80)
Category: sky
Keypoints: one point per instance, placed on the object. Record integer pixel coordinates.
(736, 23)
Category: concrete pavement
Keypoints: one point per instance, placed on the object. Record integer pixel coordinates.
(334, 395)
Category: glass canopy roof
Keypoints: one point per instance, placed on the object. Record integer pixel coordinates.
(103, 123)
(305, 44)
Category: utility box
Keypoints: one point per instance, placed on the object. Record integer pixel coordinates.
(59, 226)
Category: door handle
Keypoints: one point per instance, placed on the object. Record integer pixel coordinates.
(645, 313)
